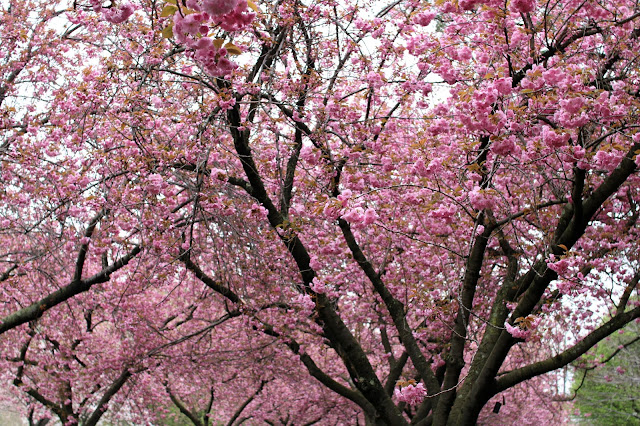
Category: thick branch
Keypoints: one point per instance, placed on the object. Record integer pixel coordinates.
(335, 330)
(6, 274)
(514, 377)
(245, 403)
(396, 310)
(338, 388)
(183, 408)
(210, 282)
(624, 299)
(84, 248)
(106, 397)
(35, 310)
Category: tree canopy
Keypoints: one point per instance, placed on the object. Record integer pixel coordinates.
(294, 212)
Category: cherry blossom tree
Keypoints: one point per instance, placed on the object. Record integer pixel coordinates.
(290, 212)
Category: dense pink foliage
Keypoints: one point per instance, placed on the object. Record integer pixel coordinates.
(322, 211)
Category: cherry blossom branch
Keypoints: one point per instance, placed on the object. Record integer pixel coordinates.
(208, 281)
(182, 407)
(455, 361)
(113, 389)
(624, 299)
(325, 379)
(18, 382)
(248, 401)
(395, 372)
(334, 328)
(527, 211)
(7, 274)
(268, 53)
(537, 279)
(84, 248)
(189, 336)
(292, 163)
(36, 309)
(65, 410)
(395, 307)
(519, 375)
(308, 362)
(207, 411)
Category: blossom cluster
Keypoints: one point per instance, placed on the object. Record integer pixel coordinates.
(524, 327)
(115, 15)
(189, 25)
(412, 394)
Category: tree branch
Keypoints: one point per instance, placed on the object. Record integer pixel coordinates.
(514, 377)
(101, 408)
(35, 310)
(183, 408)
(246, 402)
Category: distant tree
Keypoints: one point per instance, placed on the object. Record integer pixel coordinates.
(608, 384)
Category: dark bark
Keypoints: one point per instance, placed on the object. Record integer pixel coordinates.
(334, 329)
(37, 309)
(115, 387)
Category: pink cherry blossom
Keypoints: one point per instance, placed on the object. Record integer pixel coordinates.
(411, 394)
(219, 7)
(330, 212)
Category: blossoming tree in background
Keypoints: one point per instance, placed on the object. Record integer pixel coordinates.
(296, 212)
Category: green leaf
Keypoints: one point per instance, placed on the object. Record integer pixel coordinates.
(218, 42)
(168, 31)
(253, 6)
(168, 10)
(232, 49)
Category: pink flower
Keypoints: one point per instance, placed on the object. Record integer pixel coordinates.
(354, 215)
(607, 160)
(468, 4)
(464, 53)
(190, 24)
(155, 184)
(419, 168)
(553, 76)
(560, 267)
(572, 105)
(524, 327)
(553, 139)
(118, 16)
(424, 18)
(517, 332)
(480, 199)
(370, 216)
(305, 302)
(219, 7)
(318, 286)
(344, 196)
(412, 394)
(236, 19)
(522, 6)
(503, 86)
(374, 79)
(503, 147)
(212, 59)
